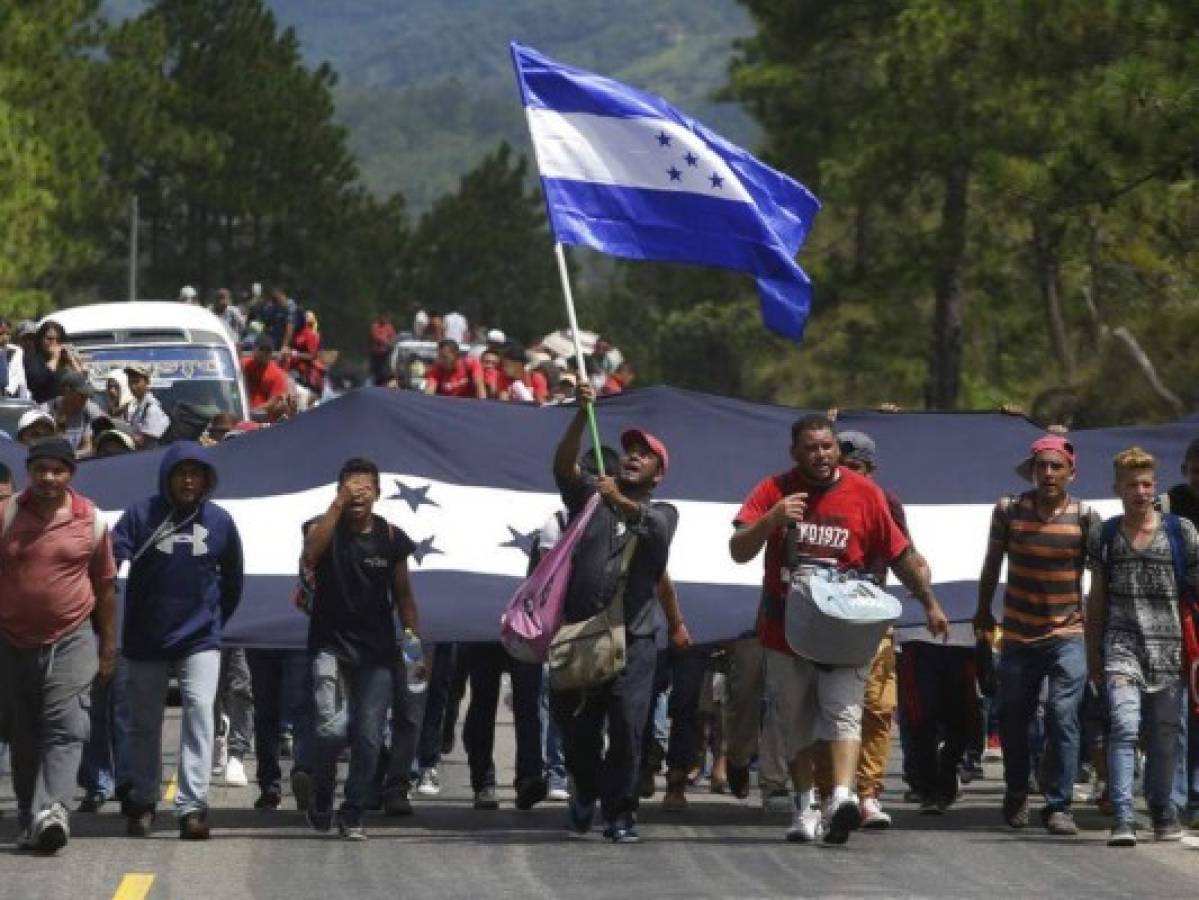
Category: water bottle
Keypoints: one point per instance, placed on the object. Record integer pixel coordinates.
(415, 671)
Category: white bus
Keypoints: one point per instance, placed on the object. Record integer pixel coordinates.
(191, 355)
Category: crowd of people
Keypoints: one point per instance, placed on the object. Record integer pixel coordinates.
(1060, 680)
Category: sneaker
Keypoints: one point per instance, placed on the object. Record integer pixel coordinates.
(194, 827)
(931, 806)
(1167, 828)
(396, 803)
(805, 824)
(873, 816)
(429, 784)
(1061, 821)
(1015, 810)
(738, 778)
(235, 773)
(557, 793)
(301, 788)
(350, 830)
(622, 831)
(777, 800)
(50, 830)
(93, 802)
(270, 798)
(1122, 835)
(485, 798)
(139, 820)
(530, 792)
(320, 819)
(843, 818)
(580, 816)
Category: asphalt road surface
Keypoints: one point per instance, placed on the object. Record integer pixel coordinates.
(719, 847)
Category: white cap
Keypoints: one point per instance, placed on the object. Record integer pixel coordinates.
(188, 292)
(495, 336)
(32, 417)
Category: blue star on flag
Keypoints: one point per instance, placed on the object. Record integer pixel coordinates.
(521, 541)
(716, 180)
(675, 174)
(425, 548)
(663, 139)
(691, 158)
(414, 497)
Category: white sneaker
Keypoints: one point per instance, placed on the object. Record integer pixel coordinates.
(558, 794)
(805, 824)
(429, 784)
(235, 773)
(873, 816)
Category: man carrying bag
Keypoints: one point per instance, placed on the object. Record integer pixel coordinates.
(602, 657)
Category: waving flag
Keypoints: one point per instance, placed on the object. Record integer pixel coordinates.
(470, 483)
(625, 173)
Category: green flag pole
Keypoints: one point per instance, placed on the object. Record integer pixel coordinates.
(573, 321)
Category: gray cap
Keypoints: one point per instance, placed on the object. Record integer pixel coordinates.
(858, 446)
(77, 382)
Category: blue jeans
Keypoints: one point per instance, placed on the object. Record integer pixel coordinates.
(1185, 792)
(105, 763)
(551, 738)
(146, 688)
(351, 703)
(1022, 667)
(1131, 708)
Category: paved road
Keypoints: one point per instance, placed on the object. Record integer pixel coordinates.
(720, 847)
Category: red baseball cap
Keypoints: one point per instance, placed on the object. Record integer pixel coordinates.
(1055, 443)
(636, 435)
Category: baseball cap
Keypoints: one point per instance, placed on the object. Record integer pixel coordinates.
(635, 435)
(138, 369)
(857, 445)
(77, 382)
(31, 417)
(118, 434)
(52, 448)
(495, 336)
(188, 292)
(1049, 442)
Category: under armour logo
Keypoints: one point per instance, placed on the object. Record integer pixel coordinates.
(196, 539)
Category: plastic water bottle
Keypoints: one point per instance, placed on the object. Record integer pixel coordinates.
(415, 671)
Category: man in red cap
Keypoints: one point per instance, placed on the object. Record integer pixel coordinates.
(1044, 534)
(606, 564)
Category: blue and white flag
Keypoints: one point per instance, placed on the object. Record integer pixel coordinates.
(471, 484)
(626, 173)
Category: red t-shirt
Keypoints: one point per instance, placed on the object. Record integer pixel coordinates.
(459, 382)
(848, 522)
(48, 566)
(263, 383)
(382, 334)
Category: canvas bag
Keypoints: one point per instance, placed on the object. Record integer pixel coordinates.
(533, 614)
(587, 654)
(836, 618)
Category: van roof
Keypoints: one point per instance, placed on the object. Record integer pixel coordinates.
(105, 321)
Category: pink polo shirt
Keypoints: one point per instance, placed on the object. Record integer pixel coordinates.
(46, 571)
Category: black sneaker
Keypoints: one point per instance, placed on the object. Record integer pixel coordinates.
(1167, 828)
(93, 802)
(320, 819)
(50, 832)
(738, 777)
(485, 798)
(846, 817)
(579, 816)
(350, 829)
(194, 827)
(1122, 835)
(270, 798)
(622, 831)
(931, 806)
(530, 792)
(1015, 810)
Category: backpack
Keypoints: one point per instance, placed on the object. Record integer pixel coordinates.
(534, 613)
(10, 515)
(1188, 607)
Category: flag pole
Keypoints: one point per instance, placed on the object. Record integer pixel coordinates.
(573, 322)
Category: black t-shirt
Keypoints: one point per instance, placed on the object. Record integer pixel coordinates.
(1184, 503)
(353, 605)
(597, 554)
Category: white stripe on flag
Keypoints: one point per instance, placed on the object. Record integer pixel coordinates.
(636, 153)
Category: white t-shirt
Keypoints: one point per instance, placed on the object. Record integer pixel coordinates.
(146, 417)
(455, 326)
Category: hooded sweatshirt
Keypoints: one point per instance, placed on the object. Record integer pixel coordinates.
(185, 577)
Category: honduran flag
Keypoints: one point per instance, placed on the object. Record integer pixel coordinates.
(627, 174)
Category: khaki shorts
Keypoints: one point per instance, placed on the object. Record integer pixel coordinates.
(805, 703)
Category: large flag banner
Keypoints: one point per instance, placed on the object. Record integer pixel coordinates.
(627, 174)
(471, 483)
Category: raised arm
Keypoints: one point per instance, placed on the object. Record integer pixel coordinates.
(566, 457)
(320, 535)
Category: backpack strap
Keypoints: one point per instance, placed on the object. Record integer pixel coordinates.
(10, 513)
(1107, 537)
(1177, 554)
(98, 528)
(1162, 503)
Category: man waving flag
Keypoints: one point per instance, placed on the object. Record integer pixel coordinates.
(627, 174)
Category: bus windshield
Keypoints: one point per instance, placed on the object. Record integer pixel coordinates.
(203, 377)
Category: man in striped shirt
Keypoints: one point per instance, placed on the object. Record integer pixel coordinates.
(1043, 533)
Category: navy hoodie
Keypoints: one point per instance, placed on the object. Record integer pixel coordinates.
(185, 580)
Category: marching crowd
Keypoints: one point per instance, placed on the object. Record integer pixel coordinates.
(1061, 680)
